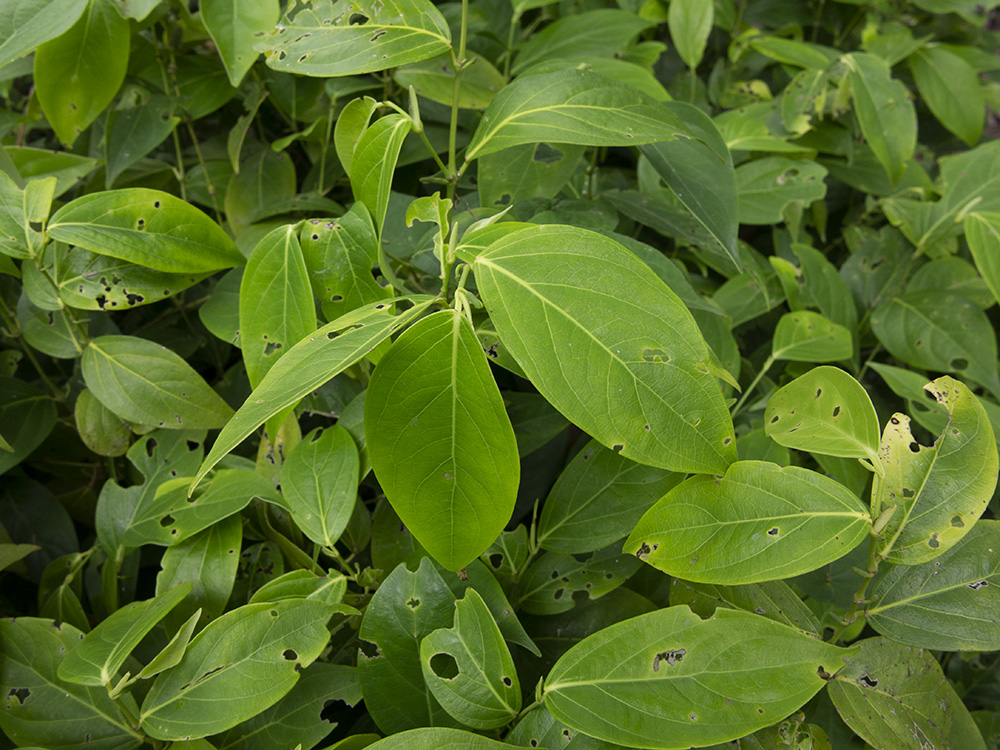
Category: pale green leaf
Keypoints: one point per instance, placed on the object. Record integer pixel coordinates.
(233, 24)
(939, 491)
(675, 670)
(759, 522)
(351, 125)
(690, 23)
(374, 162)
(303, 584)
(148, 227)
(171, 654)
(99, 428)
(807, 336)
(437, 739)
(439, 440)
(25, 24)
(767, 186)
(618, 354)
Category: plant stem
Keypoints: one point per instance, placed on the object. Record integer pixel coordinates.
(11, 322)
(763, 371)
(458, 62)
(515, 19)
(858, 600)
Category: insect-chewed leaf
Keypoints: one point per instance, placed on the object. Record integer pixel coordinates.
(894, 697)
(572, 106)
(236, 667)
(775, 600)
(440, 441)
(807, 336)
(551, 583)
(319, 481)
(146, 383)
(693, 682)
(147, 227)
(469, 669)
(759, 522)
(947, 604)
(96, 659)
(617, 353)
(940, 491)
(351, 37)
(824, 411)
(440, 739)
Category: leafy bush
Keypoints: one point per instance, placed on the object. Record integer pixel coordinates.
(480, 372)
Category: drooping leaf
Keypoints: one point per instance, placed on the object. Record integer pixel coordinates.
(147, 227)
(319, 481)
(894, 696)
(97, 658)
(308, 365)
(674, 669)
(233, 24)
(439, 440)
(947, 604)
(824, 411)
(35, 22)
(350, 37)
(469, 669)
(78, 73)
(549, 293)
(807, 336)
(759, 522)
(939, 491)
(239, 665)
(40, 709)
(598, 499)
(146, 383)
(572, 106)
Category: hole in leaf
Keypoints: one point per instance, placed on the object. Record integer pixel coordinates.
(507, 681)
(957, 522)
(671, 657)
(167, 520)
(642, 553)
(819, 392)
(20, 693)
(289, 655)
(559, 593)
(977, 585)
(868, 681)
(773, 531)
(444, 666)
(655, 356)
(357, 19)
(413, 602)
(836, 411)
(496, 560)
(337, 298)
(958, 363)
(270, 348)
(774, 419)
(915, 447)
(907, 492)
(933, 542)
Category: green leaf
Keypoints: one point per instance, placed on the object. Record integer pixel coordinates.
(171, 654)
(824, 411)
(134, 132)
(27, 415)
(700, 172)
(766, 187)
(350, 37)
(676, 672)
(885, 113)
(438, 739)
(598, 499)
(775, 600)
(599, 33)
(78, 73)
(572, 106)
(940, 331)
(276, 303)
(374, 162)
(940, 491)
(239, 665)
(97, 658)
(303, 584)
(351, 125)
(407, 607)
(948, 604)
(531, 170)
(48, 331)
(759, 522)
(564, 318)
(99, 428)
(26, 24)
(148, 227)
(146, 383)
(690, 23)
(551, 583)
(37, 162)
(308, 365)
(894, 697)
(439, 440)
(209, 561)
(469, 669)
(39, 708)
(951, 90)
(982, 233)
(319, 481)
(534, 420)
(299, 714)
(434, 79)
(11, 553)
(233, 24)
(806, 336)
(13, 242)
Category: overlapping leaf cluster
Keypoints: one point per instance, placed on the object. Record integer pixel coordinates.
(586, 375)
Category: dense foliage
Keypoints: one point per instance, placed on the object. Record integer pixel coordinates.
(578, 374)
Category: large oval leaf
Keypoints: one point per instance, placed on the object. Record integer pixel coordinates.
(233, 24)
(669, 679)
(759, 522)
(350, 37)
(147, 227)
(572, 106)
(949, 604)
(440, 441)
(146, 383)
(235, 668)
(807, 336)
(824, 411)
(617, 353)
(439, 739)
(940, 491)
